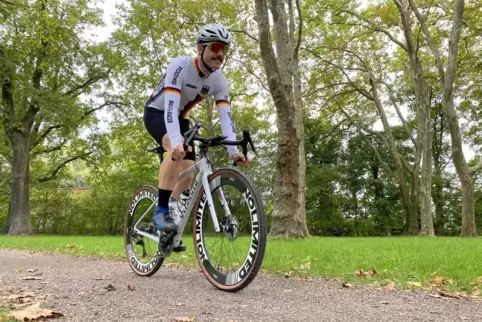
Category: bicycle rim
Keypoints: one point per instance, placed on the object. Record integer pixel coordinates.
(230, 260)
(142, 252)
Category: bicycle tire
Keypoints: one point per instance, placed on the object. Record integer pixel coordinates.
(246, 273)
(149, 269)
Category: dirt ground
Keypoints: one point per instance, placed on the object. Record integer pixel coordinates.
(88, 289)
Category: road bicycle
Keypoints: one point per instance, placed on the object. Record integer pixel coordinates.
(229, 226)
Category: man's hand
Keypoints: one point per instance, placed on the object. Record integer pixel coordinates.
(178, 152)
(240, 159)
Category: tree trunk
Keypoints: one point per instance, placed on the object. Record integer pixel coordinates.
(447, 76)
(288, 213)
(412, 226)
(19, 210)
(288, 218)
(426, 218)
(424, 128)
(299, 120)
(463, 170)
(437, 151)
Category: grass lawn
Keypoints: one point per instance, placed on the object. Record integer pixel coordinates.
(448, 263)
(3, 315)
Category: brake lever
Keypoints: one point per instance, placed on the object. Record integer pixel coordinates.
(247, 140)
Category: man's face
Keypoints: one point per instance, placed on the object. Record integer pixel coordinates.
(214, 54)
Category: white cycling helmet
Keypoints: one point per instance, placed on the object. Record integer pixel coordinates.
(211, 33)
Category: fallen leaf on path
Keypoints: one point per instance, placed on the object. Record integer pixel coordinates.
(34, 313)
(362, 273)
(19, 300)
(454, 296)
(415, 284)
(31, 278)
(288, 275)
(131, 288)
(184, 319)
(435, 295)
(347, 285)
(109, 288)
(438, 280)
(391, 286)
(19, 297)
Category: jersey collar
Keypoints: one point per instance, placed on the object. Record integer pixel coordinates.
(198, 69)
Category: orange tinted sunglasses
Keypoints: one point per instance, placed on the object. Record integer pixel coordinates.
(217, 46)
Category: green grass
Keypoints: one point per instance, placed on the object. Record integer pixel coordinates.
(3, 315)
(396, 259)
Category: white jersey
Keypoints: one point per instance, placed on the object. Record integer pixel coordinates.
(181, 87)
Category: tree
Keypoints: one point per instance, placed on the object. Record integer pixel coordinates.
(283, 77)
(47, 68)
(447, 76)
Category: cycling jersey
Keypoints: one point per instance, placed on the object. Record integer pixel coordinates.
(181, 87)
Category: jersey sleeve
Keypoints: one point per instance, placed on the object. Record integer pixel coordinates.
(172, 99)
(224, 111)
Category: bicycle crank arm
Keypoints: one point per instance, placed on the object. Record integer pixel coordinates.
(147, 235)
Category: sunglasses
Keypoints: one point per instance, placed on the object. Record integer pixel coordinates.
(215, 47)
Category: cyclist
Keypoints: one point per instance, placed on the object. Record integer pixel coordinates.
(186, 82)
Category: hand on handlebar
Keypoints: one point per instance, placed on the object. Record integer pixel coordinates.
(240, 159)
(178, 152)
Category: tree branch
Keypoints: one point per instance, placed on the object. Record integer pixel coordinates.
(360, 132)
(431, 44)
(29, 117)
(270, 61)
(62, 165)
(77, 90)
(51, 149)
(394, 103)
(13, 4)
(242, 94)
(300, 30)
(7, 98)
(473, 170)
(333, 97)
(248, 69)
(314, 91)
(342, 69)
(246, 33)
(333, 130)
(44, 135)
(377, 28)
(108, 103)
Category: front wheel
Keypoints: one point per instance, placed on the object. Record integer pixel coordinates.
(230, 259)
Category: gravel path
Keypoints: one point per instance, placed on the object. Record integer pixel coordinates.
(76, 287)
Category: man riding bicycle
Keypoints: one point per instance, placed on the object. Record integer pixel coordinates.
(186, 82)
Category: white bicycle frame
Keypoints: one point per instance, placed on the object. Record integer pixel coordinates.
(204, 171)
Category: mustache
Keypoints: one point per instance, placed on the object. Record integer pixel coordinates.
(218, 58)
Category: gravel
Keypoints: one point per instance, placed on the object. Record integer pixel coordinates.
(89, 289)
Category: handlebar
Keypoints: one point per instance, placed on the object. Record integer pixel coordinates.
(191, 135)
